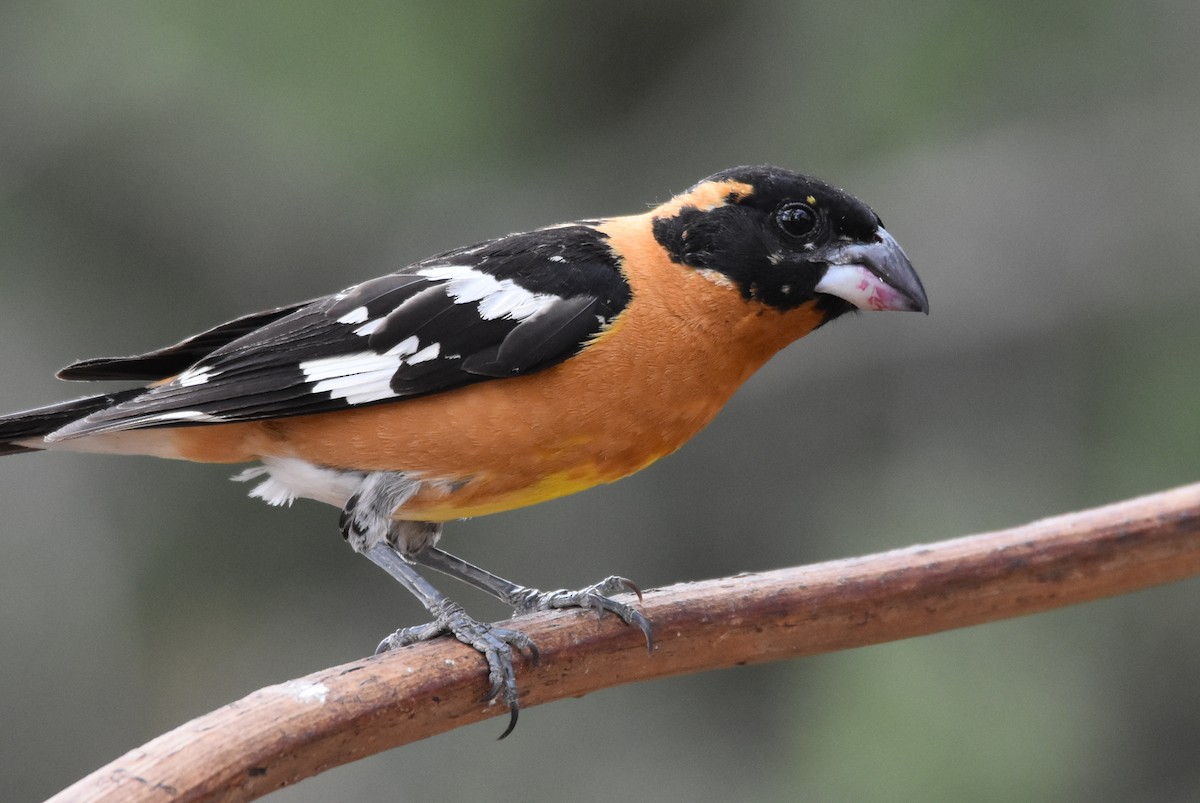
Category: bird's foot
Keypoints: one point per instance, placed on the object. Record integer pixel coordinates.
(595, 597)
(495, 643)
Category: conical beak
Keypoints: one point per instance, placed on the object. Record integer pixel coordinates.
(875, 276)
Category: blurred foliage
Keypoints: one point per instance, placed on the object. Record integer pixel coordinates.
(166, 166)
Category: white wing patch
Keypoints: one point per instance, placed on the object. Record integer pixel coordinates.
(369, 327)
(497, 298)
(356, 315)
(426, 354)
(366, 376)
(362, 315)
(196, 375)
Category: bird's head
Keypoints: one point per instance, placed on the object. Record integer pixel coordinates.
(785, 239)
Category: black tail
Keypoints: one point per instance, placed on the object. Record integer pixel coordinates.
(42, 421)
(155, 365)
(167, 362)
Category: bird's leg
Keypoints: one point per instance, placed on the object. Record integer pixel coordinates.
(495, 643)
(525, 599)
(392, 545)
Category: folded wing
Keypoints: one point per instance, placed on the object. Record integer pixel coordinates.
(498, 309)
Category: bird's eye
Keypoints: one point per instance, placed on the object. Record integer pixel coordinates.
(797, 220)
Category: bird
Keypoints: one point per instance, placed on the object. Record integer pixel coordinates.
(498, 375)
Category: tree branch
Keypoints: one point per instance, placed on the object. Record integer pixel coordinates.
(282, 734)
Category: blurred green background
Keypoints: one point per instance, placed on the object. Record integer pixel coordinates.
(167, 166)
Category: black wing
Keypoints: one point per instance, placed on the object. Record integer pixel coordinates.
(498, 309)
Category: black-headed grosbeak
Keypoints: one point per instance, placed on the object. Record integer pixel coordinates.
(498, 375)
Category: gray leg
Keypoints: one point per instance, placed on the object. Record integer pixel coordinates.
(369, 528)
(395, 545)
(495, 643)
(525, 599)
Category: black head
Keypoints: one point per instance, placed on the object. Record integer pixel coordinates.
(785, 239)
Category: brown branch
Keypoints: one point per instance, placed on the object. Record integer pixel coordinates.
(282, 734)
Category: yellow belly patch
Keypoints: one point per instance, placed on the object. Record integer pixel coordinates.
(473, 499)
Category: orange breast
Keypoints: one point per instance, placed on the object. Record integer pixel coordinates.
(648, 384)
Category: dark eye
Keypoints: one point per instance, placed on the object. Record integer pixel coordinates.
(797, 220)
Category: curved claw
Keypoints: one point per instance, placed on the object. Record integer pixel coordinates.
(410, 635)
(512, 723)
(614, 585)
(496, 644)
(535, 655)
(647, 629)
(594, 597)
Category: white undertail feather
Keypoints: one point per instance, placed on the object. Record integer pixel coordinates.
(289, 479)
